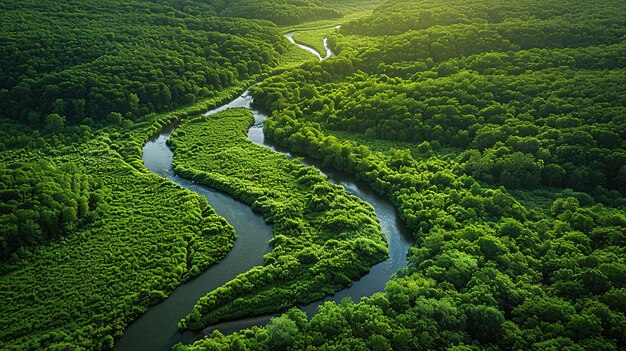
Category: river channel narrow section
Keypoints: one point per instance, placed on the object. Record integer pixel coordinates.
(157, 328)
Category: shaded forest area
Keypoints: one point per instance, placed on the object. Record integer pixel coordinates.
(96, 61)
(281, 12)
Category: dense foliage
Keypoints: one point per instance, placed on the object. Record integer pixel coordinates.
(143, 238)
(528, 117)
(88, 61)
(90, 239)
(39, 202)
(323, 237)
(497, 129)
(281, 12)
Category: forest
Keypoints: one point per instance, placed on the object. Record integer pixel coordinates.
(281, 12)
(118, 246)
(496, 128)
(134, 65)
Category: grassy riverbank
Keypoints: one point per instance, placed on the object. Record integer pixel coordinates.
(314, 38)
(323, 237)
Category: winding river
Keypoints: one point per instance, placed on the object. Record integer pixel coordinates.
(310, 49)
(156, 329)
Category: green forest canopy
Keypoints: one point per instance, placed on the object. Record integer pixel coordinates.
(497, 129)
(84, 84)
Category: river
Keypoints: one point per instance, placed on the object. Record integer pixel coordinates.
(157, 328)
(310, 49)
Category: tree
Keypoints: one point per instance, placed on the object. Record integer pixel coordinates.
(281, 331)
(114, 118)
(54, 123)
(484, 323)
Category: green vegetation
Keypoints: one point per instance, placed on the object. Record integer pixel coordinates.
(89, 239)
(128, 239)
(40, 202)
(323, 237)
(313, 38)
(497, 129)
(527, 117)
(109, 62)
(351, 10)
(293, 57)
(281, 12)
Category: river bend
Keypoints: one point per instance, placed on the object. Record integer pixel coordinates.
(157, 328)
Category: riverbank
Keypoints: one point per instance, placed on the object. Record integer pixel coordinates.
(323, 237)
